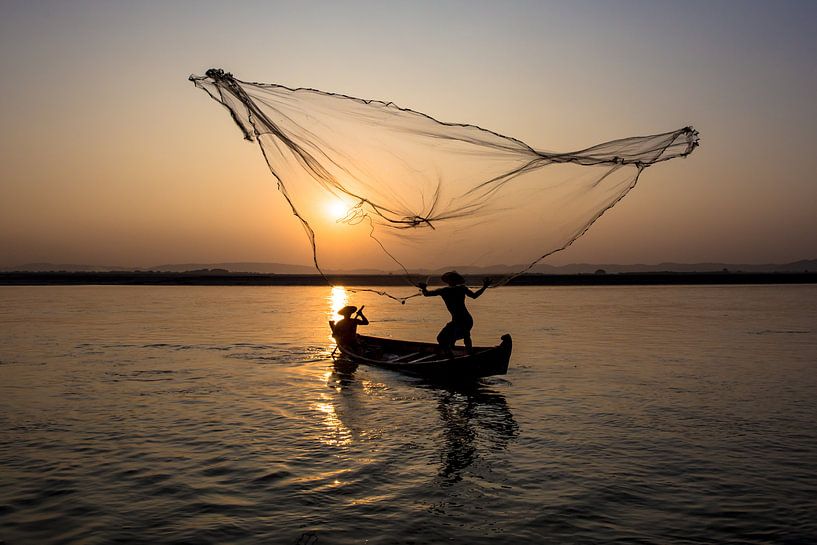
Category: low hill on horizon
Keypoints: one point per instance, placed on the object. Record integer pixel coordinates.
(574, 268)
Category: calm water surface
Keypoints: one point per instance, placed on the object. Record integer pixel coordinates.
(214, 415)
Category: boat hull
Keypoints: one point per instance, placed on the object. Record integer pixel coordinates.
(426, 360)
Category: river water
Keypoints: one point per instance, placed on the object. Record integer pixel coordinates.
(660, 415)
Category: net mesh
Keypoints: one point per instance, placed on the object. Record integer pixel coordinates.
(380, 187)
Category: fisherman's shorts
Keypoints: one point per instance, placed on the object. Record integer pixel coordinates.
(454, 331)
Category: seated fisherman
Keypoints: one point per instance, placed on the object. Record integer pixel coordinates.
(345, 330)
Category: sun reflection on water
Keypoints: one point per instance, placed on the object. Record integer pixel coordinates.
(337, 434)
(337, 299)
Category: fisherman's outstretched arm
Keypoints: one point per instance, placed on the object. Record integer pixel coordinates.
(480, 291)
(426, 292)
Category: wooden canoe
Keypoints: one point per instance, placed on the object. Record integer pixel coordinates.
(426, 360)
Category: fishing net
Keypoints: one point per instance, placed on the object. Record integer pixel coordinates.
(380, 187)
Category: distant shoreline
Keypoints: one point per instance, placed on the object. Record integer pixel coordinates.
(245, 279)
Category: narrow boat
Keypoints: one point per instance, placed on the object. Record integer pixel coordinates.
(426, 360)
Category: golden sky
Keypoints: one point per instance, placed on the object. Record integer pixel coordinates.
(109, 156)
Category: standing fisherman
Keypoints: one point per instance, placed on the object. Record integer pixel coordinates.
(454, 298)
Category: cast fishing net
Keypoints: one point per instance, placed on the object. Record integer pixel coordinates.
(380, 187)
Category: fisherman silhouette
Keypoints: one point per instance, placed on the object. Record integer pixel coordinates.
(454, 298)
(345, 330)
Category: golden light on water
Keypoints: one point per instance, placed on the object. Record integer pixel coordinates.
(336, 433)
(337, 300)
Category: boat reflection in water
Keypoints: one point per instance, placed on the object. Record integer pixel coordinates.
(477, 424)
(474, 418)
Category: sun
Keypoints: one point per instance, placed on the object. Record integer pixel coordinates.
(336, 209)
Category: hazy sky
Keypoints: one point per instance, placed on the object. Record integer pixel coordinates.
(108, 155)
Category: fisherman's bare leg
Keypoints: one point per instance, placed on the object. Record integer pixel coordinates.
(469, 347)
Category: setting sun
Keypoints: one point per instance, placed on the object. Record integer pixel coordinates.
(336, 209)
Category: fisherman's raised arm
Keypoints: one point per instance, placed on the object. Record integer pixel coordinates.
(474, 294)
(426, 292)
(361, 319)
